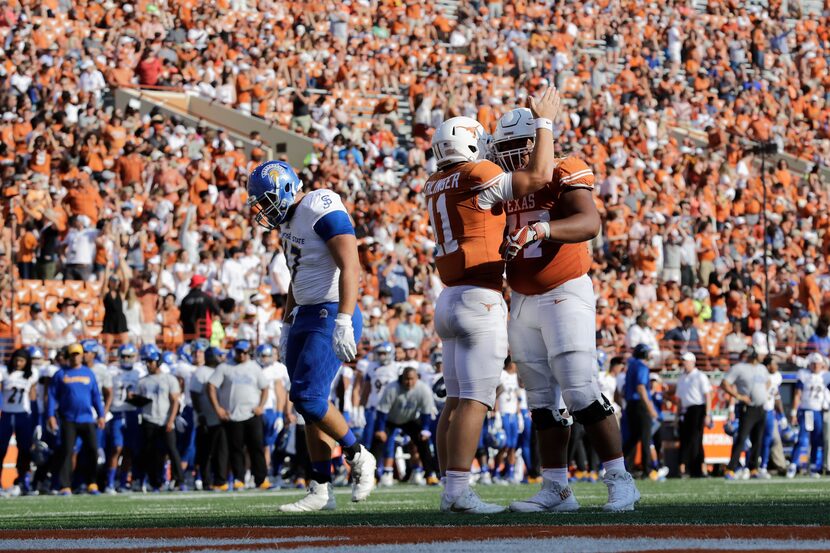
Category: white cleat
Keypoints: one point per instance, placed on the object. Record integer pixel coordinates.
(485, 479)
(320, 497)
(552, 498)
(387, 480)
(14, 491)
(363, 466)
(469, 503)
(418, 478)
(792, 470)
(622, 492)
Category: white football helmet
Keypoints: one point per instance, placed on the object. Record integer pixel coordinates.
(459, 139)
(510, 141)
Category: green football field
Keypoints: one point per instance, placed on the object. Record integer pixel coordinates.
(711, 501)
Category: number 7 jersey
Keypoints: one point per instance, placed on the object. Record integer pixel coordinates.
(545, 265)
(468, 222)
(318, 217)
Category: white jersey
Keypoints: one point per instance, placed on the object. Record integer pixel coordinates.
(607, 386)
(184, 370)
(348, 374)
(508, 399)
(102, 377)
(812, 390)
(124, 382)
(427, 374)
(16, 389)
(274, 372)
(379, 376)
(314, 274)
(775, 380)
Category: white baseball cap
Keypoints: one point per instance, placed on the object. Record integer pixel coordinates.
(688, 356)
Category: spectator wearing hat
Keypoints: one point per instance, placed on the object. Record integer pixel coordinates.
(73, 397)
(37, 331)
(238, 392)
(748, 382)
(197, 310)
(694, 396)
(66, 324)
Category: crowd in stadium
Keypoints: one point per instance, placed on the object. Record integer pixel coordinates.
(141, 222)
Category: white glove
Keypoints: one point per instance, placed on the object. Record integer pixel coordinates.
(181, 424)
(343, 341)
(279, 423)
(286, 330)
(521, 420)
(426, 434)
(497, 422)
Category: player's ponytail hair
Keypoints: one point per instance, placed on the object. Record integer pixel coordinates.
(24, 353)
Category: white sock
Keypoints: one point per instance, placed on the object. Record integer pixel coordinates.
(617, 464)
(457, 482)
(560, 475)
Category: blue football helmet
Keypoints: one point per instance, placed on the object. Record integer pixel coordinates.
(199, 345)
(263, 350)
(35, 352)
(384, 353)
(150, 352)
(185, 352)
(272, 187)
(496, 438)
(126, 356)
(169, 358)
(90, 345)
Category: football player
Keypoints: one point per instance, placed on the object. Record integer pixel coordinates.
(808, 404)
(18, 382)
(322, 322)
(464, 199)
(273, 418)
(552, 324)
(124, 429)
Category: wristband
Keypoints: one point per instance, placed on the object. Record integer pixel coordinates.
(343, 317)
(543, 123)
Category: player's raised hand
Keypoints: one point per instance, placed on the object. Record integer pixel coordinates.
(547, 105)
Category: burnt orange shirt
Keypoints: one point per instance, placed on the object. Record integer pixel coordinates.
(545, 265)
(468, 235)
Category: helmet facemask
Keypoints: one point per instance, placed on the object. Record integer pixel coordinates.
(271, 210)
(513, 154)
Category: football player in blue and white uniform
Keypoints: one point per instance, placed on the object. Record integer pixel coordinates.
(18, 382)
(383, 371)
(124, 429)
(808, 404)
(322, 321)
(273, 418)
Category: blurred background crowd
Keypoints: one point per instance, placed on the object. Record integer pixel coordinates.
(133, 228)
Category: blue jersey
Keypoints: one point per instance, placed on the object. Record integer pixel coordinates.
(74, 393)
(317, 217)
(636, 374)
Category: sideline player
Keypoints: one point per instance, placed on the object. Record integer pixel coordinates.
(322, 321)
(552, 325)
(463, 200)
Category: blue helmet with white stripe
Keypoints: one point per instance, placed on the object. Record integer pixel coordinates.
(150, 352)
(126, 356)
(169, 358)
(90, 345)
(35, 352)
(262, 351)
(272, 188)
(185, 352)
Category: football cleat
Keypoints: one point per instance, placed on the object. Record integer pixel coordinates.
(238, 485)
(815, 474)
(14, 491)
(320, 497)
(552, 498)
(485, 479)
(387, 479)
(792, 470)
(92, 489)
(468, 503)
(363, 466)
(65, 491)
(109, 490)
(730, 475)
(764, 474)
(221, 488)
(418, 478)
(622, 491)
(266, 485)
(432, 480)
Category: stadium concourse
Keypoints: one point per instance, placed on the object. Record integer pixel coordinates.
(121, 230)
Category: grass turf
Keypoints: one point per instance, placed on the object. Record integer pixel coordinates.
(711, 501)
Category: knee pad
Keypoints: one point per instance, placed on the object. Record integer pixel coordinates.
(595, 412)
(545, 418)
(312, 409)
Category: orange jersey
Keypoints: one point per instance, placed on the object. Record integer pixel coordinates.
(468, 235)
(544, 265)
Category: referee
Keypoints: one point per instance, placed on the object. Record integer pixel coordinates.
(748, 382)
(694, 396)
(238, 392)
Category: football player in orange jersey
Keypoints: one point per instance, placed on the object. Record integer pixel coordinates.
(552, 329)
(464, 200)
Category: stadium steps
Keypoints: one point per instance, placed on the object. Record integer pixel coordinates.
(812, 7)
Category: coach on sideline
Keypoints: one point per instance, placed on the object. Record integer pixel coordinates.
(694, 394)
(407, 404)
(74, 393)
(240, 402)
(748, 382)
